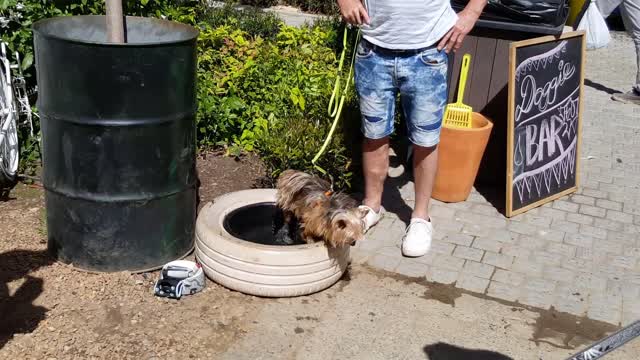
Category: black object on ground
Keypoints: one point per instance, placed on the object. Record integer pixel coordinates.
(118, 125)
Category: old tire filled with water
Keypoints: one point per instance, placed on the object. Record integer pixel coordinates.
(259, 269)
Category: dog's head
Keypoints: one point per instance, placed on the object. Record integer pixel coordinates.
(347, 227)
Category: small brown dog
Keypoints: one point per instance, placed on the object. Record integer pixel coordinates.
(323, 216)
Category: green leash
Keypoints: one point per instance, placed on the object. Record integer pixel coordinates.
(335, 107)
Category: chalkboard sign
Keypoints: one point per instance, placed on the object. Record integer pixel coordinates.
(544, 129)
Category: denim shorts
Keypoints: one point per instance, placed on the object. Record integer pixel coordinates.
(421, 80)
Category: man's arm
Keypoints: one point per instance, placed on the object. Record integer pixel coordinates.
(353, 12)
(466, 20)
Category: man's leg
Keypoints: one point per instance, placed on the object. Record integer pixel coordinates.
(374, 80)
(423, 91)
(630, 12)
(425, 164)
(375, 161)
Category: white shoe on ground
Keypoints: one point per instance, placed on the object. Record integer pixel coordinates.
(371, 218)
(417, 238)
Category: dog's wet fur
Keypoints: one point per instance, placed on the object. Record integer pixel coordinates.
(310, 212)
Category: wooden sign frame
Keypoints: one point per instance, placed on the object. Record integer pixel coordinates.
(511, 119)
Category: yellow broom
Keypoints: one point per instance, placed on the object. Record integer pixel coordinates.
(459, 114)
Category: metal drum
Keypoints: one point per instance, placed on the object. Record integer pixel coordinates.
(118, 141)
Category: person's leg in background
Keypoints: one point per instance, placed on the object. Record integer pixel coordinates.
(630, 12)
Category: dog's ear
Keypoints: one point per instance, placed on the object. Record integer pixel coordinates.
(340, 224)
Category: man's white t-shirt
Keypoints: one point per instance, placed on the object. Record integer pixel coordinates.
(408, 24)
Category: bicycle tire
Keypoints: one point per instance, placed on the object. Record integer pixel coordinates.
(8, 177)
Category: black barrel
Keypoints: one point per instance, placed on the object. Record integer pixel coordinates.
(118, 140)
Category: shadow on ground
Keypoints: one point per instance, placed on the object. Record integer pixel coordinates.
(18, 313)
(444, 351)
(600, 87)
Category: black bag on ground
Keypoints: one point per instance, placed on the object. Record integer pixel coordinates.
(547, 13)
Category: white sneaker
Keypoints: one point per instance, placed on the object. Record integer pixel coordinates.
(371, 218)
(417, 239)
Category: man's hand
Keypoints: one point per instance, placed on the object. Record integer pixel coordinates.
(453, 39)
(353, 12)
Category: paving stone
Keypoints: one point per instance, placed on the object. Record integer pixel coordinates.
(608, 224)
(472, 283)
(608, 204)
(428, 259)
(468, 253)
(605, 300)
(592, 210)
(539, 285)
(559, 274)
(553, 213)
(389, 250)
(515, 251)
(448, 262)
(503, 291)
(488, 221)
(591, 282)
(442, 276)
(498, 260)
(623, 261)
(536, 299)
(619, 216)
(602, 312)
(578, 265)
(571, 304)
(384, 262)
(476, 230)
(459, 239)
(412, 268)
(595, 232)
(487, 244)
(565, 250)
(581, 199)
(503, 235)
(531, 242)
(523, 228)
(598, 194)
(580, 219)
(551, 235)
(527, 266)
(508, 277)
(579, 240)
(591, 255)
(629, 318)
(441, 247)
(484, 209)
(547, 258)
(536, 220)
(442, 211)
(611, 247)
(447, 227)
(478, 269)
(566, 226)
(566, 206)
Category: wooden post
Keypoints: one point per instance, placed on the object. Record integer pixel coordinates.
(115, 21)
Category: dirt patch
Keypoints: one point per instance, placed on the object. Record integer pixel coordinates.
(50, 310)
(220, 174)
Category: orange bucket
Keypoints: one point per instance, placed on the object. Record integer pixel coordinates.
(460, 153)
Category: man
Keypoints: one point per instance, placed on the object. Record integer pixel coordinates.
(404, 51)
(630, 12)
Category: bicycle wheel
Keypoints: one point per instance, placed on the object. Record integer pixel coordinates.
(9, 147)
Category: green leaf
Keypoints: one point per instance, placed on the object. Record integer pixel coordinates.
(27, 61)
(144, 2)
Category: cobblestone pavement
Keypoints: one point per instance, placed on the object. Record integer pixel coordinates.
(579, 254)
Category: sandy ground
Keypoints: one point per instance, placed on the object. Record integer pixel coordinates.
(51, 311)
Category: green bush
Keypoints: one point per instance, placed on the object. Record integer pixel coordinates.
(271, 96)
